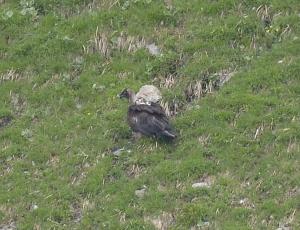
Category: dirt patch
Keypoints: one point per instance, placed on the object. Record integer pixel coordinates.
(76, 211)
(286, 222)
(4, 121)
(293, 192)
(5, 170)
(78, 208)
(18, 103)
(8, 222)
(9, 226)
(162, 222)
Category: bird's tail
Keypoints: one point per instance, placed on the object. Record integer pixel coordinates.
(169, 134)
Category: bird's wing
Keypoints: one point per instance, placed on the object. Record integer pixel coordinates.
(151, 125)
(149, 120)
(153, 108)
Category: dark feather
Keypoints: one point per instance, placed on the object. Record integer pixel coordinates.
(150, 120)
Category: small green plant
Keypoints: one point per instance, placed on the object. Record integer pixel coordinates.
(7, 14)
(28, 8)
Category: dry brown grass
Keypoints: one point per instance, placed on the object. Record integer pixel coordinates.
(10, 75)
(134, 170)
(171, 108)
(102, 42)
(264, 12)
(168, 82)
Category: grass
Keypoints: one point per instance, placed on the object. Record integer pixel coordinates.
(62, 65)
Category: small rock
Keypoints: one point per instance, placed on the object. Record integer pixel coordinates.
(9, 14)
(67, 38)
(243, 201)
(205, 223)
(283, 228)
(205, 182)
(34, 207)
(140, 193)
(98, 87)
(201, 185)
(247, 58)
(153, 49)
(26, 133)
(78, 106)
(117, 151)
(79, 60)
(201, 225)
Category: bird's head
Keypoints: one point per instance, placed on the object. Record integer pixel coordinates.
(124, 94)
(129, 94)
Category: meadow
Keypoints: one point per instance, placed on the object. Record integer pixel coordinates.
(229, 72)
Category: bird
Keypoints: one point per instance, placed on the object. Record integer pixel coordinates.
(148, 119)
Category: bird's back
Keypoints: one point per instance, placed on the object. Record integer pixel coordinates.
(149, 120)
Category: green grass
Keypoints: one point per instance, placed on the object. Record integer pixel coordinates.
(57, 170)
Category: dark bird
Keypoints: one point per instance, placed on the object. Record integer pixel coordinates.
(147, 119)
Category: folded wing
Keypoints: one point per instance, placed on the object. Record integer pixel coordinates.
(150, 120)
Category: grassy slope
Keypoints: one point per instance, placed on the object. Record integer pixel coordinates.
(56, 167)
